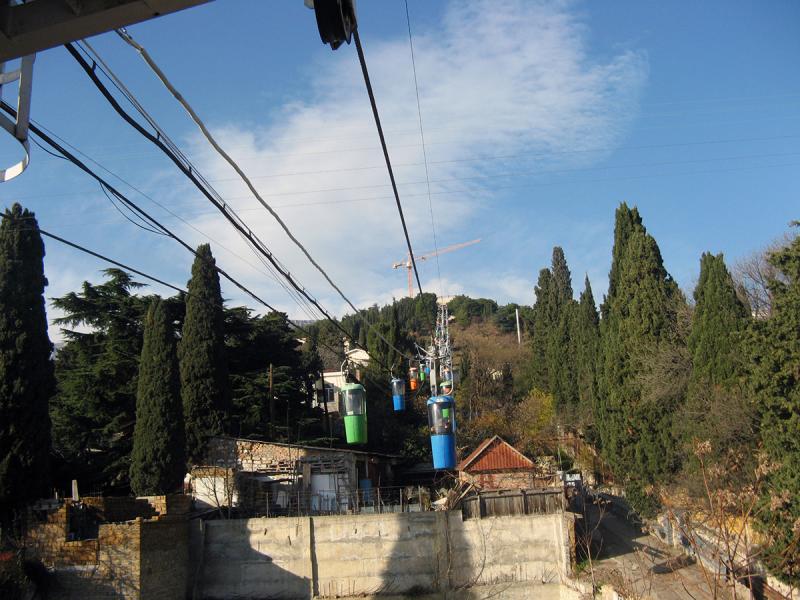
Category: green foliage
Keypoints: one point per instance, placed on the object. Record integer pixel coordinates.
(466, 309)
(540, 331)
(586, 335)
(255, 343)
(205, 388)
(158, 459)
(776, 380)
(720, 318)
(640, 313)
(385, 338)
(718, 407)
(534, 421)
(93, 411)
(554, 338)
(26, 370)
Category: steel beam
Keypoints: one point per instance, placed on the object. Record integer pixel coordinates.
(40, 24)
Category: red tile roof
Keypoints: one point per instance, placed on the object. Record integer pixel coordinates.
(495, 454)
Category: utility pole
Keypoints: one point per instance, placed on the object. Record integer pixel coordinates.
(271, 406)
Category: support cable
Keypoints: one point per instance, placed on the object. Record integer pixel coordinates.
(180, 161)
(234, 165)
(424, 152)
(134, 207)
(377, 117)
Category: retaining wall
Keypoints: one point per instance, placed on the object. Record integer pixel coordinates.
(399, 553)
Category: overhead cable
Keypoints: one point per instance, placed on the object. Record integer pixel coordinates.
(424, 152)
(239, 171)
(205, 188)
(81, 165)
(377, 117)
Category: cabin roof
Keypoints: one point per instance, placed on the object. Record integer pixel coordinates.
(495, 454)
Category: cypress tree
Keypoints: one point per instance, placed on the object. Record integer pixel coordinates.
(626, 220)
(587, 340)
(717, 408)
(719, 319)
(158, 460)
(561, 347)
(541, 331)
(776, 379)
(26, 370)
(641, 312)
(205, 388)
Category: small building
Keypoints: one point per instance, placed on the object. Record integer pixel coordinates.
(332, 381)
(112, 547)
(497, 465)
(272, 478)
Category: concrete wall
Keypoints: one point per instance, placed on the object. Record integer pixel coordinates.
(354, 555)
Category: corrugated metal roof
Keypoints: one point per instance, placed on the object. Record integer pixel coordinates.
(495, 454)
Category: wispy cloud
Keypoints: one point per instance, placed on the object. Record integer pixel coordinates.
(496, 78)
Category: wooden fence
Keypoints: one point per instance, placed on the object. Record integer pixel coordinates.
(513, 502)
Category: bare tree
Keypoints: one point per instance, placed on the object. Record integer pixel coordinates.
(718, 526)
(753, 273)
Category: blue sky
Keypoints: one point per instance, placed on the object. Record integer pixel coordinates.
(539, 119)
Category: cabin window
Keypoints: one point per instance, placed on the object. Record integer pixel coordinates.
(353, 402)
(440, 418)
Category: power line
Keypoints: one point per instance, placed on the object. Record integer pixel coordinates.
(377, 117)
(82, 166)
(163, 142)
(180, 161)
(214, 144)
(424, 152)
(502, 157)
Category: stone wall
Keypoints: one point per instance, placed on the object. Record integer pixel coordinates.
(399, 553)
(138, 559)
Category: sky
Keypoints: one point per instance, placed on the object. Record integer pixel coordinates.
(539, 118)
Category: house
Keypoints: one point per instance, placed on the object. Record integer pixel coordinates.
(331, 382)
(267, 478)
(497, 465)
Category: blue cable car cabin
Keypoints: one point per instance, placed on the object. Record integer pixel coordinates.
(399, 394)
(442, 423)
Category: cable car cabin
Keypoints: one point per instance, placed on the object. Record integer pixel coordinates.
(399, 394)
(353, 408)
(412, 378)
(442, 423)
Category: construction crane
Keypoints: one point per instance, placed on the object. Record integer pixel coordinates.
(407, 265)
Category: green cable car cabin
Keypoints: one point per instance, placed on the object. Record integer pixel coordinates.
(353, 408)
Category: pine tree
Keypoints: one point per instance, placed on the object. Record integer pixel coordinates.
(205, 388)
(776, 378)
(26, 370)
(641, 312)
(158, 460)
(94, 410)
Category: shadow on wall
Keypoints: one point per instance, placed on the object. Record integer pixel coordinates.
(237, 559)
(390, 554)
